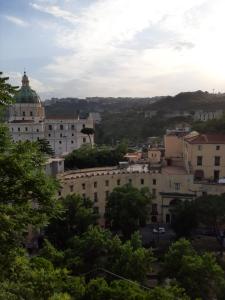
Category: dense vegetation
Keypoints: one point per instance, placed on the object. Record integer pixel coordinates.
(128, 209)
(90, 157)
(211, 126)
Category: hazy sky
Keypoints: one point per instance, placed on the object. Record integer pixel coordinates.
(114, 47)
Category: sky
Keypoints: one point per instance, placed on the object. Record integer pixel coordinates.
(114, 48)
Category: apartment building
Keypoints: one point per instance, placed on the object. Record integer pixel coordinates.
(204, 156)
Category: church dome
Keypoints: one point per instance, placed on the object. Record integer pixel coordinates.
(26, 94)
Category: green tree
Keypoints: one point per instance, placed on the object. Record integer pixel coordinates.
(184, 218)
(211, 210)
(7, 91)
(45, 147)
(37, 279)
(27, 195)
(97, 249)
(90, 157)
(127, 209)
(89, 132)
(199, 275)
(76, 216)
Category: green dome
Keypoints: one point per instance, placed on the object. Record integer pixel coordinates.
(26, 94)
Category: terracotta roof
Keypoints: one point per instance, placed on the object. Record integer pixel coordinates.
(211, 138)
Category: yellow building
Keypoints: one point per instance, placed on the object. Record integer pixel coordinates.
(204, 156)
(195, 163)
(165, 185)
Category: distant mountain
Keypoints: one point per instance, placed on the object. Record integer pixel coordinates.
(73, 106)
(191, 101)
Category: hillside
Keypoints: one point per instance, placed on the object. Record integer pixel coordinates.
(191, 101)
(128, 117)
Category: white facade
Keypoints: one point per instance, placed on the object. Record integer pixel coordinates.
(27, 122)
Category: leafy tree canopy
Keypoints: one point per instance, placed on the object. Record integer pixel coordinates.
(76, 216)
(7, 91)
(199, 275)
(127, 209)
(88, 157)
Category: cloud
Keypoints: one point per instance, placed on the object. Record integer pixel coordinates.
(55, 11)
(16, 21)
(130, 47)
(37, 85)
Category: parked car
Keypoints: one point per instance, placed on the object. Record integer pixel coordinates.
(160, 230)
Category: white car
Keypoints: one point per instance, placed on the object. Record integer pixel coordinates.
(159, 230)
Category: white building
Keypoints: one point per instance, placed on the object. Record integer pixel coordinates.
(27, 122)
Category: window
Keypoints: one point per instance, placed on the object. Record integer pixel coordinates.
(49, 134)
(84, 196)
(72, 127)
(71, 188)
(199, 147)
(130, 181)
(84, 140)
(95, 197)
(153, 192)
(95, 184)
(118, 181)
(83, 186)
(154, 208)
(37, 130)
(59, 193)
(50, 127)
(177, 186)
(24, 113)
(218, 147)
(106, 195)
(216, 175)
(199, 160)
(142, 181)
(61, 127)
(154, 181)
(60, 134)
(217, 160)
(26, 128)
(12, 129)
(31, 113)
(72, 134)
(71, 142)
(83, 126)
(106, 183)
(60, 142)
(18, 128)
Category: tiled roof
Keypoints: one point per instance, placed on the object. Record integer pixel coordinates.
(211, 138)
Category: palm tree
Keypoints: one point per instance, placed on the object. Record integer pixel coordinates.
(88, 131)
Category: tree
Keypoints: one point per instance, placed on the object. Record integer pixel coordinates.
(89, 132)
(7, 91)
(45, 147)
(184, 218)
(211, 210)
(97, 249)
(90, 157)
(37, 279)
(193, 271)
(127, 209)
(76, 215)
(27, 195)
